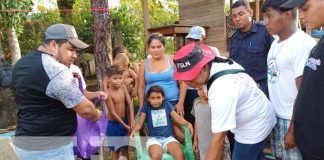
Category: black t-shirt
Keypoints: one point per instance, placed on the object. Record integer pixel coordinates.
(309, 109)
(43, 122)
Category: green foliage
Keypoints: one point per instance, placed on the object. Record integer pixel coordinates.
(227, 9)
(65, 3)
(35, 27)
(16, 13)
(83, 21)
(131, 18)
(129, 13)
(163, 12)
(131, 21)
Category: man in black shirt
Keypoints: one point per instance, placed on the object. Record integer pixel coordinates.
(47, 97)
(308, 118)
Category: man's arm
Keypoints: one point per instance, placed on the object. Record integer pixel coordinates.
(93, 95)
(289, 137)
(216, 147)
(86, 109)
(63, 88)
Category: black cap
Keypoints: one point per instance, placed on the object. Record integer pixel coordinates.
(290, 4)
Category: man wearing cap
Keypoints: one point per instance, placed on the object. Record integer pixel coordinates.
(47, 97)
(307, 122)
(250, 43)
(236, 103)
(197, 35)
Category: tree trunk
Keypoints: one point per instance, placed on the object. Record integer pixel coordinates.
(13, 45)
(146, 18)
(118, 33)
(65, 10)
(102, 37)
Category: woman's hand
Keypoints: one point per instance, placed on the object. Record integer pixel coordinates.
(180, 109)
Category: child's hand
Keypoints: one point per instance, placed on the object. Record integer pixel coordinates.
(135, 92)
(132, 136)
(190, 129)
(137, 114)
(132, 124)
(128, 128)
(195, 146)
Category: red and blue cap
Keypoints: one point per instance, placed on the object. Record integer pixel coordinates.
(190, 60)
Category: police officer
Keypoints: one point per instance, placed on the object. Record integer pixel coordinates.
(250, 43)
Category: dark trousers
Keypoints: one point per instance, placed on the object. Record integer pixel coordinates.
(191, 95)
(231, 140)
(248, 151)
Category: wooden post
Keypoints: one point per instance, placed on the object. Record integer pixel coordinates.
(175, 42)
(257, 10)
(102, 38)
(231, 3)
(146, 18)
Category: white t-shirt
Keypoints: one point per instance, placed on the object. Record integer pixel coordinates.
(237, 104)
(76, 69)
(286, 61)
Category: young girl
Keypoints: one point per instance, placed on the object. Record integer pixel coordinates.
(203, 132)
(158, 113)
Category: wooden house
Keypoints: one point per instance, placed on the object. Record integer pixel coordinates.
(207, 13)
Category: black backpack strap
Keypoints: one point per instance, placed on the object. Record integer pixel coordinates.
(222, 73)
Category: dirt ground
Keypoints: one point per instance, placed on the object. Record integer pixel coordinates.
(6, 152)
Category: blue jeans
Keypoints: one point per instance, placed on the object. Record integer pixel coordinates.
(62, 153)
(248, 151)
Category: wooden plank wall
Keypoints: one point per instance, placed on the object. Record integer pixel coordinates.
(209, 13)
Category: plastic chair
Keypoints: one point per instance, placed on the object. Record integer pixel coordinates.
(142, 153)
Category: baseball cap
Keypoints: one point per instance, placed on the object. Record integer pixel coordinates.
(196, 32)
(190, 60)
(65, 31)
(290, 4)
